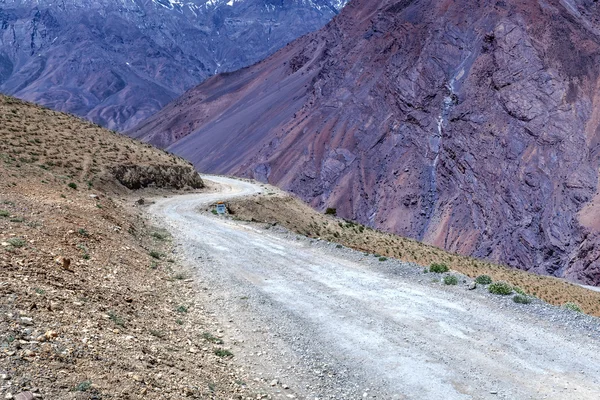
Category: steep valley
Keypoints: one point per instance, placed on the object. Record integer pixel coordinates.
(474, 131)
(117, 62)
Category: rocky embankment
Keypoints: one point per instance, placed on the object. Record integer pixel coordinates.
(93, 302)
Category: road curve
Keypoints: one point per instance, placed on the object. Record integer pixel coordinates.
(333, 323)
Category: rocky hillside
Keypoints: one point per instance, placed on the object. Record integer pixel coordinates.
(117, 62)
(473, 126)
(93, 304)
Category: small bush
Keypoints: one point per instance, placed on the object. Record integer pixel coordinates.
(438, 268)
(4, 213)
(116, 319)
(521, 299)
(155, 254)
(223, 353)
(450, 280)
(158, 334)
(160, 235)
(16, 242)
(330, 211)
(210, 338)
(72, 185)
(501, 288)
(519, 290)
(181, 309)
(382, 259)
(572, 306)
(483, 279)
(83, 386)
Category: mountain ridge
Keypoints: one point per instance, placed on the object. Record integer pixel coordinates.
(476, 132)
(117, 62)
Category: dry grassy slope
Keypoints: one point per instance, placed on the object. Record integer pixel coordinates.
(117, 323)
(293, 214)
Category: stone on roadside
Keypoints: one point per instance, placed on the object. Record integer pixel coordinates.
(24, 396)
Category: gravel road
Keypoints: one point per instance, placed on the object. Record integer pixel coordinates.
(315, 321)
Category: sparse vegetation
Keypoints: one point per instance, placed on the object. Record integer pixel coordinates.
(450, 280)
(181, 309)
(16, 242)
(160, 235)
(330, 211)
(223, 353)
(438, 268)
(572, 306)
(501, 288)
(98, 300)
(72, 185)
(210, 338)
(483, 279)
(296, 216)
(158, 334)
(116, 319)
(83, 386)
(155, 254)
(382, 259)
(519, 291)
(522, 299)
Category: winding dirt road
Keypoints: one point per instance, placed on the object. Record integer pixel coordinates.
(334, 323)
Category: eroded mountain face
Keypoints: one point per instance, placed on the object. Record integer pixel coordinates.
(116, 62)
(471, 125)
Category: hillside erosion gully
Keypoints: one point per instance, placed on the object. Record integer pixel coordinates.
(317, 321)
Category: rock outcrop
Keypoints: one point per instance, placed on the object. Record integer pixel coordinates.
(471, 125)
(117, 62)
(171, 176)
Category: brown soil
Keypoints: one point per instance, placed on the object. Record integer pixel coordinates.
(120, 318)
(293, 214)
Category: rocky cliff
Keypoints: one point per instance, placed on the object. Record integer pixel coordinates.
(471, 125)
(117, 62)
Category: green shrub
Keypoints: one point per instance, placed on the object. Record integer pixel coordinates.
(521, 299)
(519, 290)
(16, 242)
(450, 280)
(330, 211)
(181, 309)
(572, 306)
(160, 235)
(438, 268)
(4, 213)
(223, 353)
(83, 386)
(72, 185)
(116, 319)
(210, 338)
(155, 254)
(382, 259)
(483, 279)
(501, 288)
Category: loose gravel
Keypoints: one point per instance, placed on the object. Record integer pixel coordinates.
(312, 320)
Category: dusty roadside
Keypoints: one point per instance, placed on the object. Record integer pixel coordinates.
(317, 320)
(280, 208)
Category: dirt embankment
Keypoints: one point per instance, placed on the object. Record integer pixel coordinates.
(93, 304)
(293, 214)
